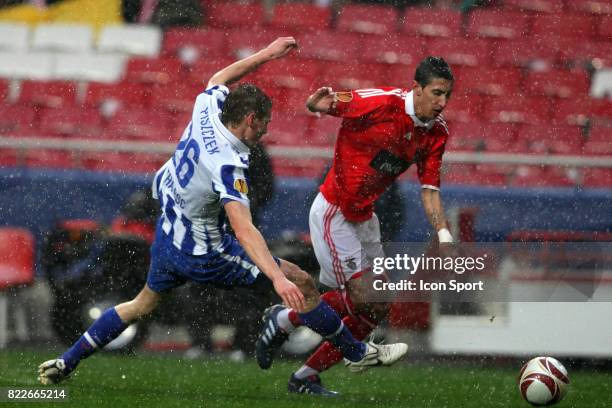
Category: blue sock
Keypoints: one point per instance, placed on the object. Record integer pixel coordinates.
(325, 321)
(104, 330)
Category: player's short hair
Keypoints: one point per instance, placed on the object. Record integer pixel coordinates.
(431, 68)
(246, 98)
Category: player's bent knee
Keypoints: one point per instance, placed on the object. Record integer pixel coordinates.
(301, 278)
(143, 304)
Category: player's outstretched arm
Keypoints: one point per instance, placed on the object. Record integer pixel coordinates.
(232, 73)
(322, 100)
(432, 203)
(255, 246)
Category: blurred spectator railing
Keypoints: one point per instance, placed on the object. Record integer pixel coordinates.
(25, 143)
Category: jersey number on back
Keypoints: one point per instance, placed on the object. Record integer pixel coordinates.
(189, 158)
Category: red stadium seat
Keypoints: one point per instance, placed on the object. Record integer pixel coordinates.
(597, 178)
(597, 148)
(124, 93)
(4, 90)
(288, 129)
(234, 14)
(177, 96)
(61, 159)
(564, 24)
(558, 83)
(470, 174)
(140, 124)
(488, 81)
(501, 138)
(354, 76)
(70, 122)
(456, 173)
(368, 19)
(331, 46)
(203, 70)
(497, 23)
(463, 107)
(517, 109)
(9, 157)
(90, 125)
(124, 162)
(540, 6)
(59, 122)
(461, 51)
(599, 133)
(590, 6)
(290, 72)
(246, 41)
(323, 131)
(400, 75)
(300, 17)
(580, 110)
(465, 137)
(532, 176)
(49, 94)
(432, 22)
(206, 42)
(181, 121)
(153, 70)
(572, 111)
(310, 168)
(17, 120)
(524, 53)
(476, 136)
(17, 254)
(579, 52)
(599, 140)
(600, 110)
(394, 49)
(604, 29)
(552, 139)
(287, 99)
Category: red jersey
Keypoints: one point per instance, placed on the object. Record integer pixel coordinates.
(380, 138)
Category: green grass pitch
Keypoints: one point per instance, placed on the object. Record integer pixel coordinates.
(151, 380)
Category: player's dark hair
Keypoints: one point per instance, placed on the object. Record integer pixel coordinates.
(431, 68)
(241, 101)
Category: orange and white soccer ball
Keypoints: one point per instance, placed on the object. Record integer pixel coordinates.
(543, 381)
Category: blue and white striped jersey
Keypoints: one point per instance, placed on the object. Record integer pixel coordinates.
(209, 166)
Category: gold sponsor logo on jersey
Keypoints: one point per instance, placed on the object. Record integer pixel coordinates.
(344, 96)
(241, 186)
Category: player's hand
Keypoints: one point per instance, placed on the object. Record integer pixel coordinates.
(280, 47)
(322, 100)
(290, 293)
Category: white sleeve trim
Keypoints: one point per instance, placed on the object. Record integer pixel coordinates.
(430, 187)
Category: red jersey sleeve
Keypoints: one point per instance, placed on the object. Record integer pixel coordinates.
(357, 104)
(428, 167)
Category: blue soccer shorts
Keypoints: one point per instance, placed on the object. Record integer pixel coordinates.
(230, 266)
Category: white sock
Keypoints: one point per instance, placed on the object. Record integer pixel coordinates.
(304, 372)
(282, 318)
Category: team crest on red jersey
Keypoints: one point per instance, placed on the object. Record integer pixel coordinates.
(344, 96)
(408, 136)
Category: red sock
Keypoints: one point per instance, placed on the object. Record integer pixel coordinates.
(327, 355)
(294, 318)
(334, 299)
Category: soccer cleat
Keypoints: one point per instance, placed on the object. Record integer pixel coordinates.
(271, 337)
(52, 371)
(310, 385)
(377, 355)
